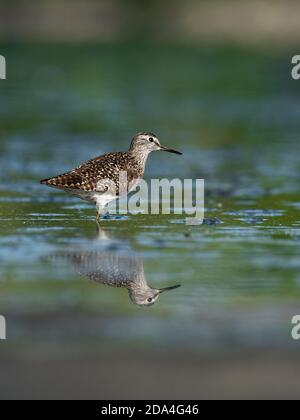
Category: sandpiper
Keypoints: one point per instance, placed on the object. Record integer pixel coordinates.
(98, 179)
(117, 269)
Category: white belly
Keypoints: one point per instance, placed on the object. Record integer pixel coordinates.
(102, 200)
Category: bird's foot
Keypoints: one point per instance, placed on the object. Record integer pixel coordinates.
(103, 216)
(106, 216)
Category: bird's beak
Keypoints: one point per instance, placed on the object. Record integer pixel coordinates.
(165, 289)
(166, 149)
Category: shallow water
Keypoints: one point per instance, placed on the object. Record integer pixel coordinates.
(235, 116)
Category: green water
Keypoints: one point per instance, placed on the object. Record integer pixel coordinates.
(235, 116)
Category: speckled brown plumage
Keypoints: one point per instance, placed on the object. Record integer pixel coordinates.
(94, 175)
(116, 269)
(109, 176)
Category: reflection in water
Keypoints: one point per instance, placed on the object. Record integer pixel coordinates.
(117, 267)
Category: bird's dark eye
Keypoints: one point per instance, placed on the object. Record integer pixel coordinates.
(151, 139)
(149, 300)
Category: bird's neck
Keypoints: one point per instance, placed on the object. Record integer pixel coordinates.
(140, 156)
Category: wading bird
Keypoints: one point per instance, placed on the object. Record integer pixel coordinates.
(98, 180)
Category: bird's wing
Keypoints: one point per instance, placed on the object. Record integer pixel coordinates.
(103, 174)
(70, 180)
(98, 174)
(113, 269)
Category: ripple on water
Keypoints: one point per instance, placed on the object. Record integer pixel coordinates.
(255, 213)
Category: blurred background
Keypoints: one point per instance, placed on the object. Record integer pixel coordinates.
(211, 78)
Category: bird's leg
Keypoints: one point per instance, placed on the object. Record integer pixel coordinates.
(106, 214)
(98, 215)
(102, 211)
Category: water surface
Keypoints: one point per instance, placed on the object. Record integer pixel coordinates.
(235, 116)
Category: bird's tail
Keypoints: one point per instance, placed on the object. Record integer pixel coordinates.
(45, 181)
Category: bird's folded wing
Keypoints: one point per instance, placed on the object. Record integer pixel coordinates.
(99, 175)
(68, 180)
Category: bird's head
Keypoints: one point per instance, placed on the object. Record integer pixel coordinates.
(147, 296)
(148, 142)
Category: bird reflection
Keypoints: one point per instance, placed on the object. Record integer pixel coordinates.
(117, 267)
